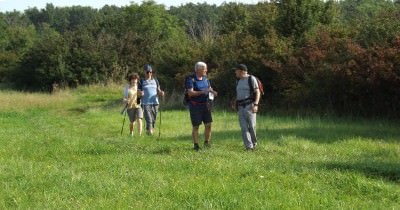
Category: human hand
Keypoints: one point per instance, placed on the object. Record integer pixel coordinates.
(140, 93)
(255, 108)
(215, 93)
(211, 90)
(161, 93)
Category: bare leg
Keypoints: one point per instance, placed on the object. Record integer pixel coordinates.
(140, 126)
(195, 134)
(207, 133)
(131, 126)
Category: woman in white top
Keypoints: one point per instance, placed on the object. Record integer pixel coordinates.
(132, 99)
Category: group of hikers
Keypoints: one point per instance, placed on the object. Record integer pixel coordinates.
(141, 99)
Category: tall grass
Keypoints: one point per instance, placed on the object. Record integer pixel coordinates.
(72, 156)
(17, 101)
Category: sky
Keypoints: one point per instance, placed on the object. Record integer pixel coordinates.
(21, 5)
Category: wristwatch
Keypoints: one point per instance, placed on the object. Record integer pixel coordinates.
(255, 104)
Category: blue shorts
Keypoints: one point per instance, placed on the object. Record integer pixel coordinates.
(200, 114)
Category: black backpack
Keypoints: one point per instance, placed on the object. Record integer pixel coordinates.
(186, 98)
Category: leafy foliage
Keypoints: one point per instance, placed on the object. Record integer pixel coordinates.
(323, 55)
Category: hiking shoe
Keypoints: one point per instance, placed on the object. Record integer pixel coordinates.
(250, 149)
(196, 147)
(207, 144)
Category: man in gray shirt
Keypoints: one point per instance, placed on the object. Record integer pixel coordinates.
(247, 99)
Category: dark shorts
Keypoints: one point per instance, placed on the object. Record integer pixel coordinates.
(200, 114)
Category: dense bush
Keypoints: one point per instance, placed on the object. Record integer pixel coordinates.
(340, 56)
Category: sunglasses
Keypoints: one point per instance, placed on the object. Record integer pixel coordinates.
(149, 72)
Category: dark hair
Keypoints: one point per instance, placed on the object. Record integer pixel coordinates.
(133, 76)
(241, 67)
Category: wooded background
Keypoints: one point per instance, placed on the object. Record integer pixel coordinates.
(336, 56)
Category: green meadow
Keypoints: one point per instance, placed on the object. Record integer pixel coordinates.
(65, 151)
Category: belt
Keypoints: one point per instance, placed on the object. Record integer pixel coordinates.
(197, 103)
(244, 102)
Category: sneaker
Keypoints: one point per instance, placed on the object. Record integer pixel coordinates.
(250, 149)
(207, 144)
(196, 147)
(255, 145)
(131, 134)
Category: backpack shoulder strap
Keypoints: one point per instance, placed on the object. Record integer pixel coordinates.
(140, 84)
(158, 83)
(250, 80)
(191, 77)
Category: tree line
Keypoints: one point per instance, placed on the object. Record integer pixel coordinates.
(336, 56)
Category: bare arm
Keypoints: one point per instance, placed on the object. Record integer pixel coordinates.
(160, 92)
(256, 100)
(195, 93)
(257, 96)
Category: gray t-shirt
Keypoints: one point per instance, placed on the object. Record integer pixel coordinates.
(243, 89)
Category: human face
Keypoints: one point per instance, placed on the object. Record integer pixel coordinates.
(148, 74)
(202, 71)
(238, 73)
(134, 80)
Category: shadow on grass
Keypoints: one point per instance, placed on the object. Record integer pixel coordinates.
(187, 137)
(319, 134)
(322, 135)
(371, 169)
(331, 135)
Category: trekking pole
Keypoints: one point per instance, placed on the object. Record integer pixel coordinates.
(160, 110)
(159, 127)
(122, 112)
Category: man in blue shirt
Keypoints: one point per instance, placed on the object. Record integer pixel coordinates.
(199, 89)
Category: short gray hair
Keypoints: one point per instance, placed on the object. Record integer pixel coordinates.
(200, 65)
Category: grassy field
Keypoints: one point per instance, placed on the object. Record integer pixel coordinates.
(65, 151)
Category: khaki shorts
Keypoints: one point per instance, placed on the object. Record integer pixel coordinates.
(135, 113)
